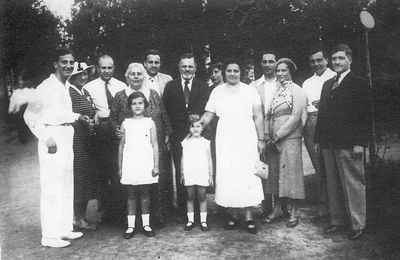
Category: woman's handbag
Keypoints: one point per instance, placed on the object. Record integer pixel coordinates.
(261, 169)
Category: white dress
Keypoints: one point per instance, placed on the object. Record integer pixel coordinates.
(236, 146)
(195, 161)
(137, 158)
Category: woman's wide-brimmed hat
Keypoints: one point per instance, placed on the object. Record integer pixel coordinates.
(79, 67)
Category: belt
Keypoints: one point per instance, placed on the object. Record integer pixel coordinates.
(64, 124)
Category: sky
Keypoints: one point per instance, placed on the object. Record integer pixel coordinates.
(60, 7)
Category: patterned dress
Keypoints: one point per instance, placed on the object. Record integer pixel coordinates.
(86, 165)
(156, 111)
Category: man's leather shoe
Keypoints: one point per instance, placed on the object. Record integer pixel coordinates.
(55, 242)
(331, 229)
(355, 234)
(71, 235)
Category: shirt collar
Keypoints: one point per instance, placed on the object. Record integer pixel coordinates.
(190, 82)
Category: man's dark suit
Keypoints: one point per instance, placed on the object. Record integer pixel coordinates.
(344, 122)
(174, 103)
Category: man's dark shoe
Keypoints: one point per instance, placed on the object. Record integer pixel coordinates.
(355, 234)
(332, 229)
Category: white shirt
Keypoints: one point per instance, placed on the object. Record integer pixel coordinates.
(313, 86)
(189, 85)
(99, 96)
(50, 105)
(270, 87)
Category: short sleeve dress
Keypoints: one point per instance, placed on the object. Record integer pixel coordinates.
(137, 158)
(236, 146)
(195, 161)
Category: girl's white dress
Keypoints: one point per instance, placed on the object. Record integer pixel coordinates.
(137, 158)
(195, 161)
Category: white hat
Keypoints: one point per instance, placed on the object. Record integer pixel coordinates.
(79, 67)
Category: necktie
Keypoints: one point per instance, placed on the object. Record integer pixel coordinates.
(186, 92)
(336, 82)
(108, 94)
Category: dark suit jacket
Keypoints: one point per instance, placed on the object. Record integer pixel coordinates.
(344, 115)
(174, 103)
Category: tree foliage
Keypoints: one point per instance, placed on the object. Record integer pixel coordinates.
(29, 33)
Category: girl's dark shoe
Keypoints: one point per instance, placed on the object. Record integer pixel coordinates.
(251, 227)
(129, 233)
(204, 226)
(188, 226)
(149, 232)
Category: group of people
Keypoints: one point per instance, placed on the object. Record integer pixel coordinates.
(94, 136)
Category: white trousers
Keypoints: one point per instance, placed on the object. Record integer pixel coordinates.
(56, 182)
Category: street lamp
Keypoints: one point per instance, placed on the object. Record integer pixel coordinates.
(368, 22)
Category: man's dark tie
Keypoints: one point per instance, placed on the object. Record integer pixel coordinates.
(186, 92)
(336, 82)
(108, 94)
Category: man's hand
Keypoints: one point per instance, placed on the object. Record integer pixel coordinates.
(84, 119)
(261, 146)
(119, 133)
(317, 148)
(167, 143)
(51, 145)
(315, 103)
(357, 151)
(182, 179)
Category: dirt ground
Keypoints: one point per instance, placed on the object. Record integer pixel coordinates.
(20, 227)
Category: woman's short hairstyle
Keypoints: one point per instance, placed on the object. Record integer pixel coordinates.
(137, 94)
(289, 63)
(132, 65)
(218, 65)
(233, 61)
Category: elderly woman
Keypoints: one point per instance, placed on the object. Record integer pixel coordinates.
(239, 141)
(86, 165)
(120, 110)
(284, 121)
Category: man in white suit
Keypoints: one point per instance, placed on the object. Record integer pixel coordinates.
(154, 78)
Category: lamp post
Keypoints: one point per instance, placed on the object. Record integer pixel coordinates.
(368, 22)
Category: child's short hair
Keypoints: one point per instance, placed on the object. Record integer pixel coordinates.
(137, 94)
(193, 118)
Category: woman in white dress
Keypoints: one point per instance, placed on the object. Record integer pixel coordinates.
(239, 141)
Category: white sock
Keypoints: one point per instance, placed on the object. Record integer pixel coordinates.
(190, 216)
(203, 216)
(145, 219)
(131, 221)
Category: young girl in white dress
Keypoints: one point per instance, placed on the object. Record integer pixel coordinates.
(138, 161)
(196, 171)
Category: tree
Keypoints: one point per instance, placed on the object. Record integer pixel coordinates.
(28, 37)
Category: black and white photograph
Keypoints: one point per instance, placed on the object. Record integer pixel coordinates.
(199, 129)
